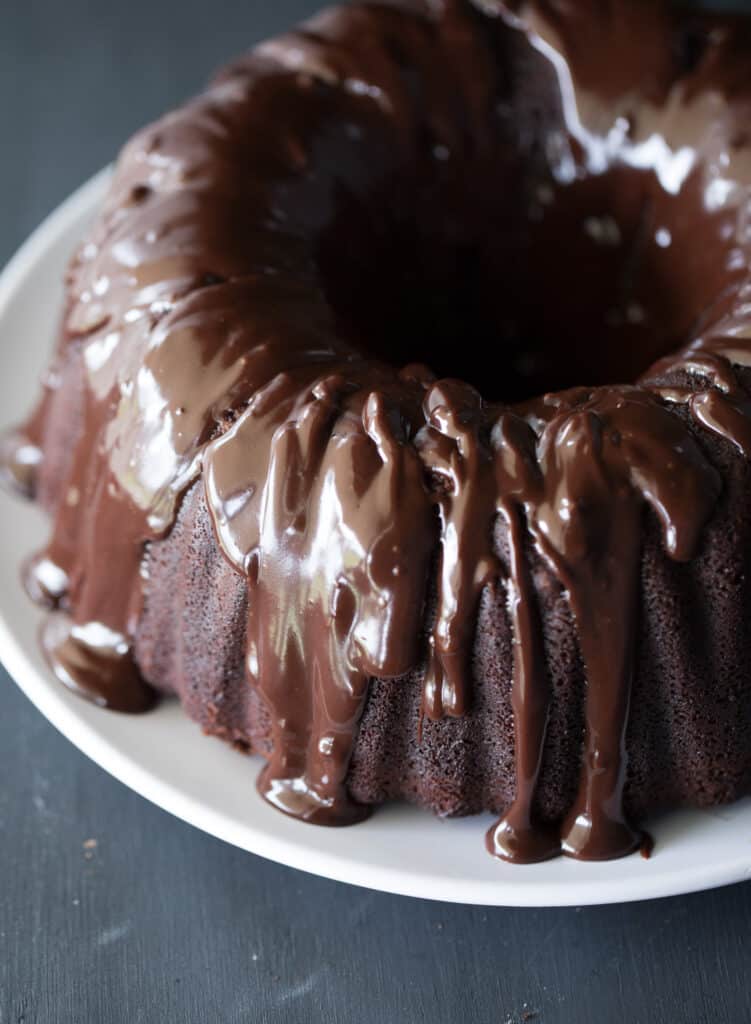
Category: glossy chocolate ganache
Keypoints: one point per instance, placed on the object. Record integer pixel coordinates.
(439, 313)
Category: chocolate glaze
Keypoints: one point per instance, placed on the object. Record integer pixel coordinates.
(397, 183)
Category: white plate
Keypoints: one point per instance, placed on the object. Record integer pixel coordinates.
(163, 755)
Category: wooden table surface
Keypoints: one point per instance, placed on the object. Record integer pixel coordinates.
(110, 910)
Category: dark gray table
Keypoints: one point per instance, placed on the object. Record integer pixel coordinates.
(159, 923)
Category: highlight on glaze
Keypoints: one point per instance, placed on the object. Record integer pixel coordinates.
(357, 494)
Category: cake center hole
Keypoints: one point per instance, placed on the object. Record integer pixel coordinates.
(522, 288)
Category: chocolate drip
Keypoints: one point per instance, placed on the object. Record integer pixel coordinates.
(96, 664)
(207, 316)
(600, 458)
(519, 836)
(335, 536)
(91, 652)
(724, 408)
(19, 462)
(452, 450)
(21, 451)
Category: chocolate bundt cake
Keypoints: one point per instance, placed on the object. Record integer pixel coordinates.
(293, 444)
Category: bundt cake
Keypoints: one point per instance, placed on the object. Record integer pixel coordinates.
(293, 444)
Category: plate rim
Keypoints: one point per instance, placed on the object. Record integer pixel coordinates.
(63, 716)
